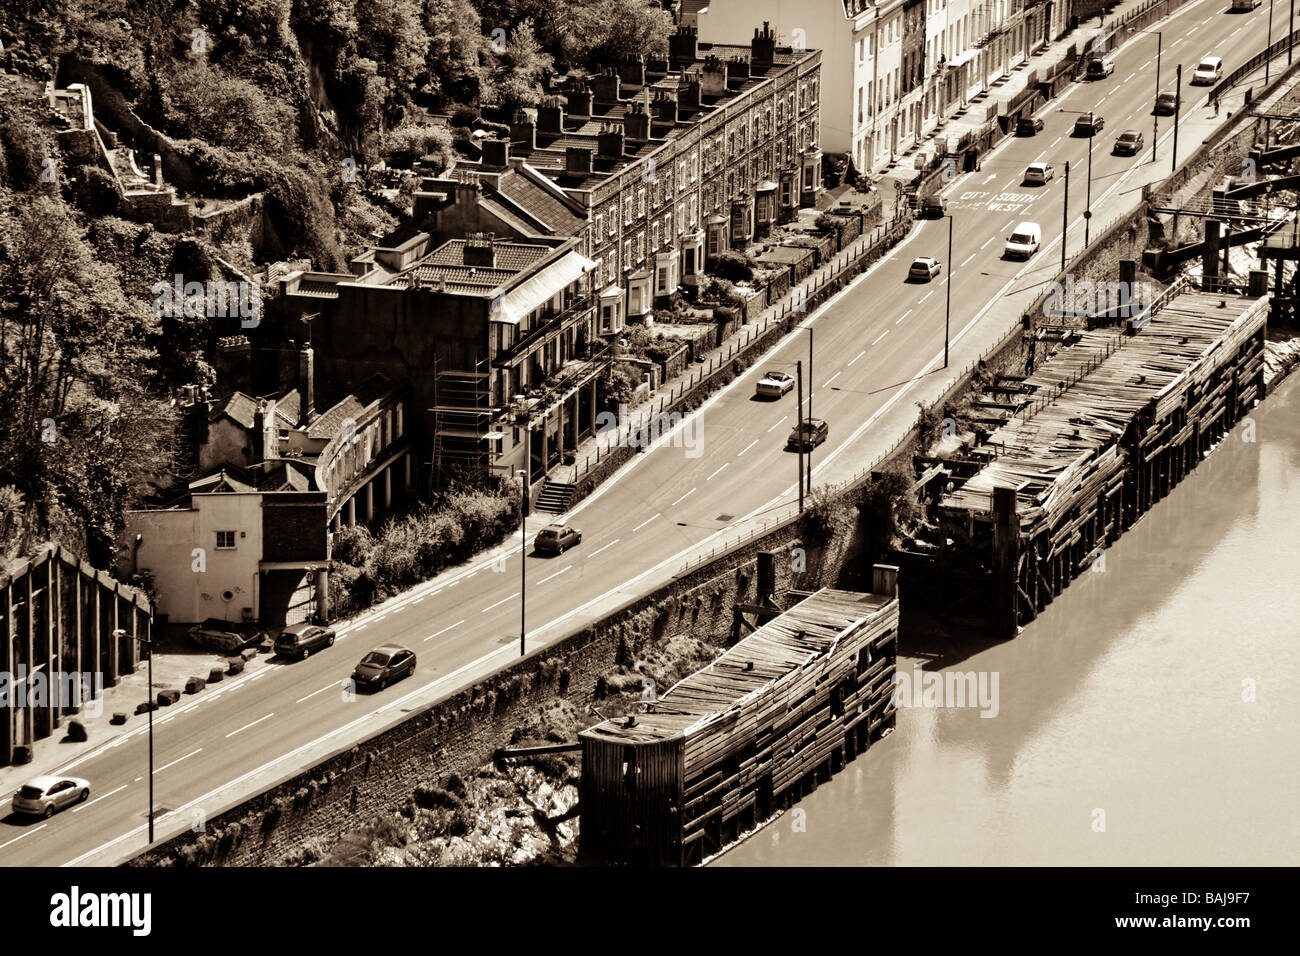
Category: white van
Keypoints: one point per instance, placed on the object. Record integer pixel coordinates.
(1209, 70)
(1024, 241)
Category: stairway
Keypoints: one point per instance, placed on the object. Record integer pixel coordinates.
(556, 496)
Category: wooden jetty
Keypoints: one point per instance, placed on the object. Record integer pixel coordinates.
(737, 742)
(1113, 423)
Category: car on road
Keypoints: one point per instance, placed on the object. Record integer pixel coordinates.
(1245, 5)
(923, 269)
(932, 207)
(1166, 103)
(774, 384)
(556, 539)
(1098, 69)
(1040, 173)
(1209, 70)
(1088, 125)
(43, 796)
(1028, 126)
(807, 435)
(1129, 143)
(299, 640)
(226, 637)
(1024, 241)
(384, 665)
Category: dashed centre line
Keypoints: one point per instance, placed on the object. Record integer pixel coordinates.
(683, 497)
(444, 630)
(555, 575)
(321, 691)
(603, 547)
(881, 336)
(926, 296)
(187, 756)
(743, 450)
(502, 601)
(102, 796)
(902, 317)
(858, 356)
(246, 726)
(778, 424)
(831, 379)
(644, 523)
(714, 475)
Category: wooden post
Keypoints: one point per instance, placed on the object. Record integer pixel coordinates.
(1006, 547)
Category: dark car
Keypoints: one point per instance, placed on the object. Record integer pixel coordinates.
(1088, 125)
(1166, 103)
(299, 640)
(1028, 126)
(1129, 143)
(227, 637)
(931, 207)
(807, 435)
(383, 666)
(556, 539)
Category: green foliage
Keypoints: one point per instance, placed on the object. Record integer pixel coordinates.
(205, 102)
(732, 266)
(888, 506)
(431, 144)
(619, 387)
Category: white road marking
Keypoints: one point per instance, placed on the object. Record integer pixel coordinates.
(1130, 76)
(603, 547)
(417, 600)
(556, 574)
(987, 241)
(827, 383)
(188, 755)
(967, 260)
(683, 497)
(778, 424)
(1055, 141)
(315, 692)
(502, 601)
(246, 726)
(720, 467)
(103, 796)
(743, 450)
(881, 336)
(27, 834)
(926, 296)
(902, 317)
(362, 627)
(644, 523)
(856, 357)
(991, 177)
(444, 630)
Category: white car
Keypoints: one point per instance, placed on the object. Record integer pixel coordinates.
(924, 268)
(42, 796)
(774, 384)
(1209, 70)
(1024, 241)
(1040, 173)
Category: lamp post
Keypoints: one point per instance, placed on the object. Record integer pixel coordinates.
(1155, 117)
(1268, 60)
(147, 642)
(947, 312)
(1178, 105)
(1065, 214)
(807, 463)
(523, 536)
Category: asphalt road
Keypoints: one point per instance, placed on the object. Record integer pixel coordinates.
(877, 343)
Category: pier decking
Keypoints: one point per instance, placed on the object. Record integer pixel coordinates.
(730, 745)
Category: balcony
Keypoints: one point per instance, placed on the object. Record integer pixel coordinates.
(548, 326)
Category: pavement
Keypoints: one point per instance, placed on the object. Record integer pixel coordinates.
(721, 476)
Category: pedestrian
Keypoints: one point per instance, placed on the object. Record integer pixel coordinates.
(1215, 101)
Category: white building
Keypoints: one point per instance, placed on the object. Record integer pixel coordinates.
(892, 68)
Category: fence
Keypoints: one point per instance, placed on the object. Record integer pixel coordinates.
(1253, 64)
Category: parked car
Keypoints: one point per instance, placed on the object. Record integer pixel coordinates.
(774, 384)
(1040, 173)
(807, 435)
(932, 207)
(1129, 143)
(1028, 126)
(44, 795)
(1098, 69)
(1024, 241)
(299, 640)
(1088, 125)
(1166, 103)
(556, 539)
(227, 637)
(1246, 6)
(1209, 70)
(384, 665)
(924, 268)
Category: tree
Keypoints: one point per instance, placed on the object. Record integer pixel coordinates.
(452, 71)
(516, 79)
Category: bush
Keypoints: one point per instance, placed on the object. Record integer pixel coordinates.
(733, 266)
(464, 117)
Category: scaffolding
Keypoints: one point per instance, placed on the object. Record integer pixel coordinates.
(462, 421)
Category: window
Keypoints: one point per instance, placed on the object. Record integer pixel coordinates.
(627, 254)
(640, 203)
(627, 211)
(695, 165)
(681, 175)
(654, 236)
(600, 227)
(225, 540)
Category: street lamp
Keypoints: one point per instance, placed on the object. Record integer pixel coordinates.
(1155, 116)
(1268, 59)
(1087, 204)
(148, 643)
(1065, 214)
(523, 535)
(947, 312)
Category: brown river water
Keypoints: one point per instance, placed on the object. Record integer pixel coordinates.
(1150, 716)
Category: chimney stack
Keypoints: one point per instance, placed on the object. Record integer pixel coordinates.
(665, 107)
(714, 82)
(496, 153)
(609, 141)
(550, 116)
(577, 161)
(762, 49)
(688, 94)
(234, 365)
(306, 386)
(606, 88)
(683, 47)
(738, 68)
(632, 70)
(580, 100)
(636, 123)
(480, 250)
(523, 132)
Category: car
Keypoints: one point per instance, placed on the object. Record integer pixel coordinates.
(1166, 103)
(1028, 126)
(44, 795)
(1097, 69)
(774, 384)
(299, 640)
(1209, 70)
(1089, 124)
(1024, 241)
(1040, 173)
(1128, 143)
(932, 207)
(807, 435)
(924, 268)
(227, 637)
(1244, 5)
(384, 665)
(556, 539)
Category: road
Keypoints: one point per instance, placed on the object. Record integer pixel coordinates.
(879, 345)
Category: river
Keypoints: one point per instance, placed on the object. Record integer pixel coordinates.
(1150, 716)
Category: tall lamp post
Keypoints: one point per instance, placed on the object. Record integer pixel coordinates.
(947, 312)
(523, 536)
(1065, 214)
(1268, 60)
(1155, 117)
(147, 642)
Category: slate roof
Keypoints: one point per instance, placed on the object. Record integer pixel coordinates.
(330, 423)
